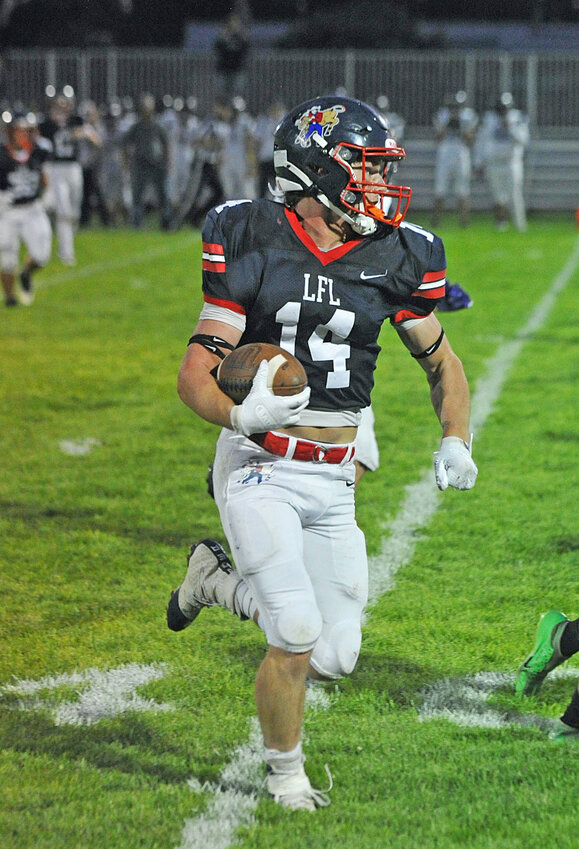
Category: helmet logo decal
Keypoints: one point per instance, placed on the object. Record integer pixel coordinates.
(317, 120)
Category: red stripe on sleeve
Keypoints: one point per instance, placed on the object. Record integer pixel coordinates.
(212, 248)
(404, 315)
(432, 276)
(228, 305)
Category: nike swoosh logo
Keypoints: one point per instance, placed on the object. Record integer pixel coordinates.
(430, 350)
(350, 483)
(364, 276)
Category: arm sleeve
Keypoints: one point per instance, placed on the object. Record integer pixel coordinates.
(215, 260)
(430, 290)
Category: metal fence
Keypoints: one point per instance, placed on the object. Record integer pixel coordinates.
(545, 85)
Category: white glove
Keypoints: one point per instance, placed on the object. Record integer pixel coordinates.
(453, 464)
(262, 410)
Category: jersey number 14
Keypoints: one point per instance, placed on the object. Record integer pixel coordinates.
(336, 349)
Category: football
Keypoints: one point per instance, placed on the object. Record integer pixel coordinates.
(286, 375)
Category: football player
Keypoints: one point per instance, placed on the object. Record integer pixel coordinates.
(318, 275)
(454, 126)
(64, 130)
(499, 153)
(23, 218)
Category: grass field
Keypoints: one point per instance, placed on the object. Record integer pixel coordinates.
(118, 733)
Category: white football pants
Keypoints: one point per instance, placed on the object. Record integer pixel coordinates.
(293, 535)
(26, 223)
(66, 185)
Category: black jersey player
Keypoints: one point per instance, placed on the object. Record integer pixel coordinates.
(23, 218)
(318, 275)
(64, 129)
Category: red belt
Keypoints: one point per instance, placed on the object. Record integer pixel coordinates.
(302, 449)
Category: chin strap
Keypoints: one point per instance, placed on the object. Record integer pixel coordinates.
(361, 224)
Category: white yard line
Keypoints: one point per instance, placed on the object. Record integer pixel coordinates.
(101, 694)
(464, 701)
(233, 803)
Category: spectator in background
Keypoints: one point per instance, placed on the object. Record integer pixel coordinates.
(263, 132)
(91, 158)
(115, 183)
(126, 114)
(237, 161)
(395, 121)
(204, 187)
(190, 122)
(454, 126)
(500, 147)
(231, 49)
(146, 145)
(170, 121)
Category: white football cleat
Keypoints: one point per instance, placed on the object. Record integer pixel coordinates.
(293, 790)
(210, 580)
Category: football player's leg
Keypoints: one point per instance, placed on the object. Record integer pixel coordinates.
(210, 580)
(335, 554)
(37, 236)
(568, 729)
(517, 199)
(463, 188)
(64, 216)
(271, 562)
(9, 250)
(265, 532)
(76, 183)
(441, 182)
(498, 183)
(163, 198)
(139, 182)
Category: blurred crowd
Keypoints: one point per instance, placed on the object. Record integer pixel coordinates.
(170, 135)
(163, 158)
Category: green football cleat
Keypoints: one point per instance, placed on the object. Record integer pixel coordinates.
(546, 654)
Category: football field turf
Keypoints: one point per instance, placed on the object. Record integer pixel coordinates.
(116, 732)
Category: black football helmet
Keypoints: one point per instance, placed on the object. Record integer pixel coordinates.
(318, 144)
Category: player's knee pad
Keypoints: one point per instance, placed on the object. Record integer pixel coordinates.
(299, 627)
(40, 253)
(336, 651)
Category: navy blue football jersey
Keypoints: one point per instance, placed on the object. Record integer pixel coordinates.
(64, 142)
(325, 307)
(22, 180)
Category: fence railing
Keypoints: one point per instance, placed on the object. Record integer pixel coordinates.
(545, 85)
